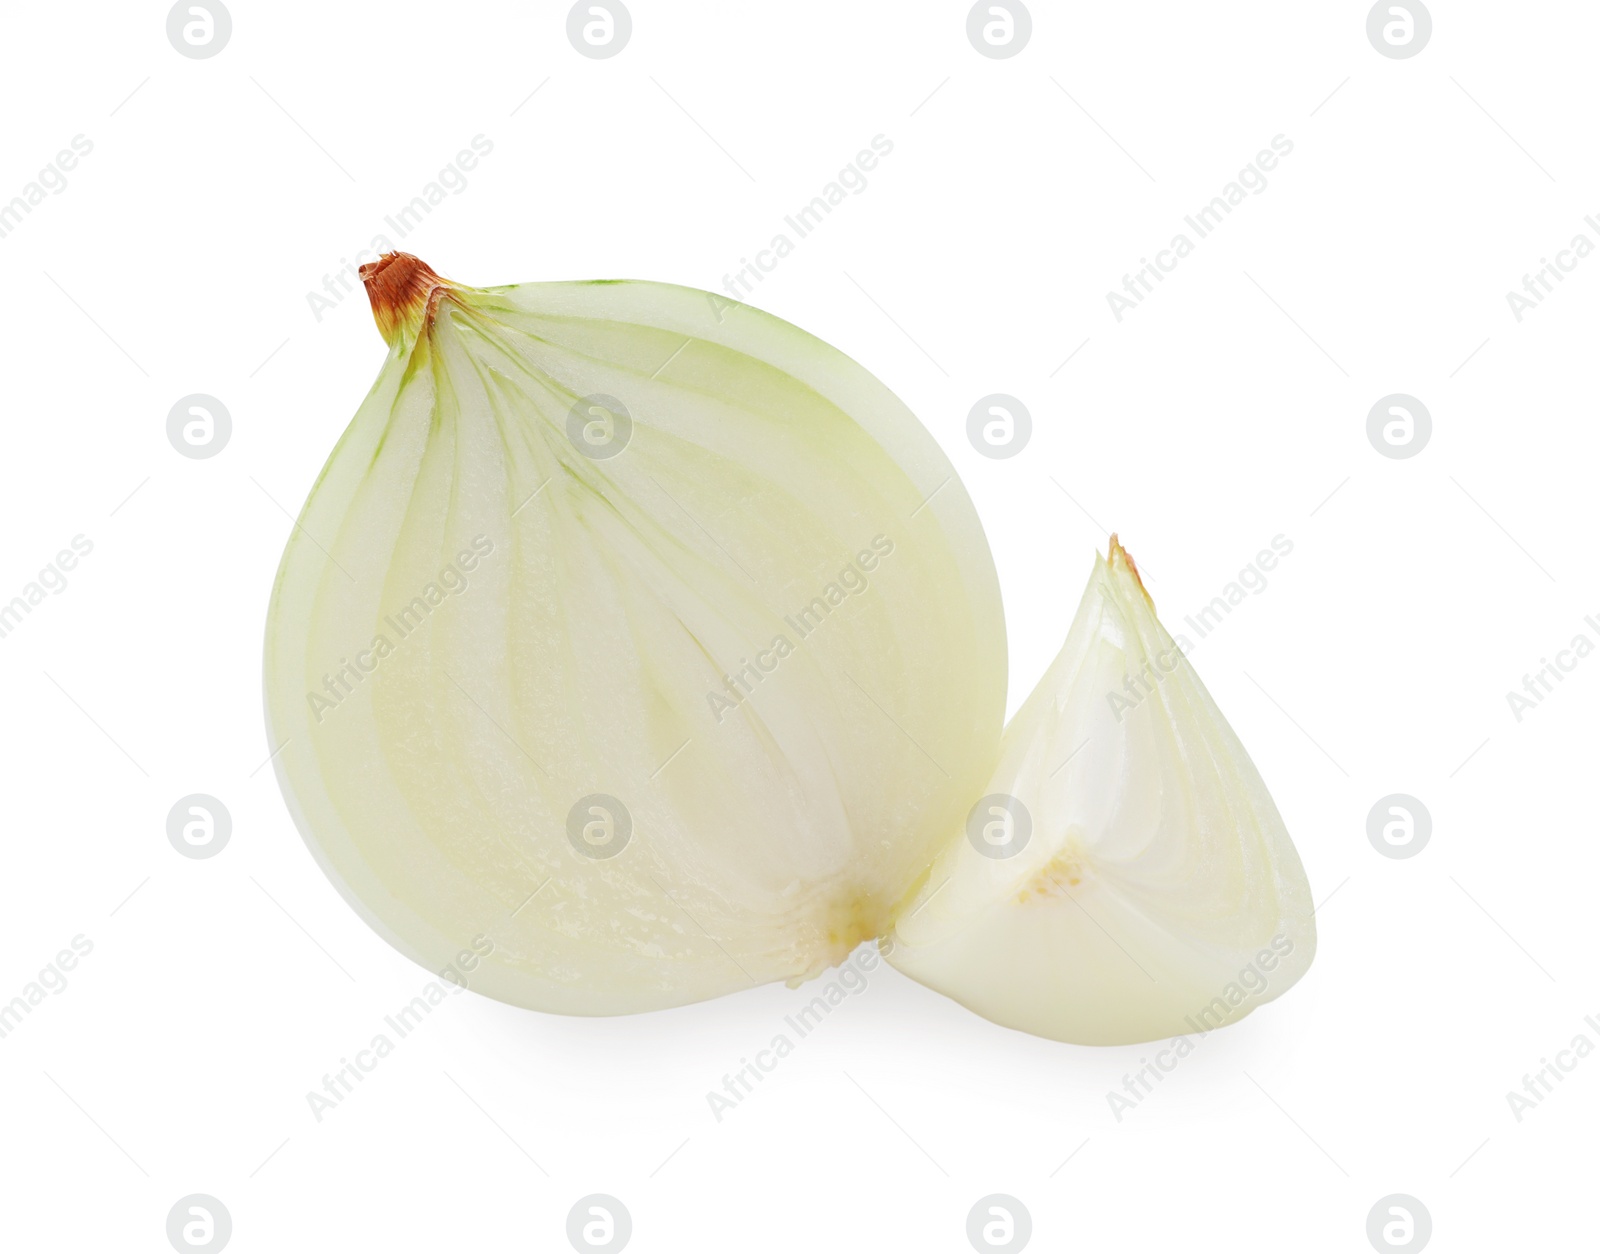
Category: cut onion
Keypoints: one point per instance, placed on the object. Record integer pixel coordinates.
(636, 647)
(633, 637)
(1125, 876)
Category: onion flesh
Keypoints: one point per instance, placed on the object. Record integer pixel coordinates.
(490, 624)
(1146, 886)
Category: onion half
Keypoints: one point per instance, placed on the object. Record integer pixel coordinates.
(633, 636)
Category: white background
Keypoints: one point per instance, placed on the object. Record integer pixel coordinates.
(1229, 408)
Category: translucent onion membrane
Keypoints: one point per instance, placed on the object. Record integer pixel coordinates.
(1125, 876)
(633, 643)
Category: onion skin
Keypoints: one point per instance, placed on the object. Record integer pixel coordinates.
(401, 289)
